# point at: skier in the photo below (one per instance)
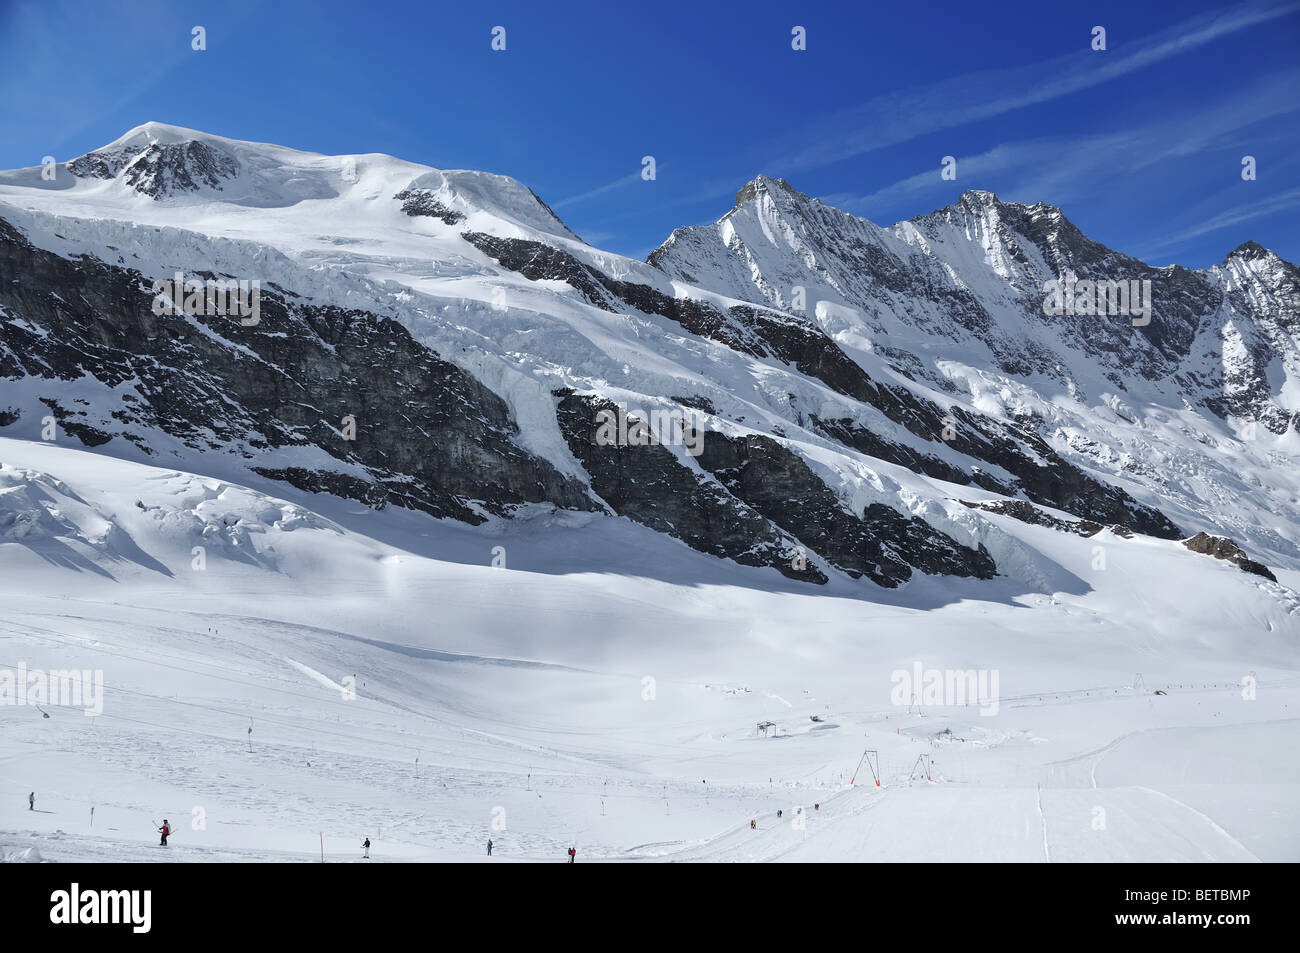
(778, 815)
(31, 801)
(164, 830)
(489, 847)
(817, 807)
(753, 825)
(573, 852)
(366, 844)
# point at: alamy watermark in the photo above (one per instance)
(1081, 296)
(74, 906)
(619, 428)
(939, 687)
(70, 688)
(210, 298)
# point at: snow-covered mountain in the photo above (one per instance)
(1185, 406)
(854, 383)
(406, 461)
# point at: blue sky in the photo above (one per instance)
(1140, 144)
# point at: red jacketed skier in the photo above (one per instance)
(573, 852)
(164, 830)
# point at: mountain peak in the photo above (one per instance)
(761, 184)
(154, 133)
(160, 161)
(1248, 250)
(979, 197)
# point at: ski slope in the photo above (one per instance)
(523, 691)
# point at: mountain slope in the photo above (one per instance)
(408, 698)
(450, 318)
(1178, 409)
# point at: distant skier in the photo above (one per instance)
(164, 830)
(817, 807)
(778, 815)
(31, 801)
(366, 845)
(573, 852)
(753, 825)
(489, 847)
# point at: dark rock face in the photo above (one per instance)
(1180, 296)
(1048, 479)
(741, 330)
(882, 544)
(538, 261)
(417, 202)
(1041, 473)
(161, 169)
(1220, 547)
(70, 422)
(647, 484)
(427, 435)
(1028, 513)
(697, 403)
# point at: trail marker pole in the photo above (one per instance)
(322, 847)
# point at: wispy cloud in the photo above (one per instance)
(600, 190)
(1059, 168)
(900, 116)
(1234, 216)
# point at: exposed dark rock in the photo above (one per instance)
(1028, 513)
(883, 544)
(1220, 547)
(67, 420)
(428, 435)
(416, 202)
(1040, 472)
(927, 548)
(538, 261)
(648, 484)
(697, 403)
(161, 169)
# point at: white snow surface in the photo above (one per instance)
(523, 693)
